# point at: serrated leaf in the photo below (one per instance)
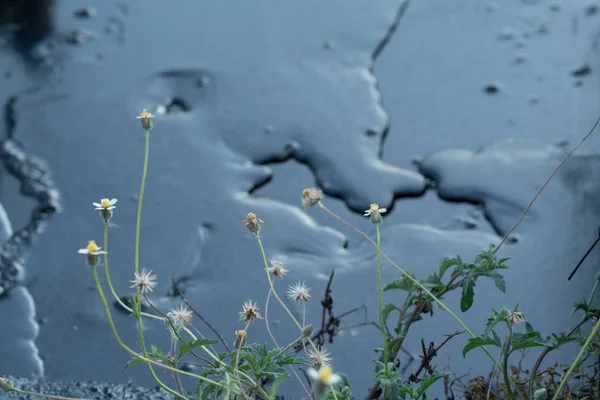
(467, 295)
(387, 309)
(427, 382)
(432, 281)
(186, 346)
(447, 263)
(479, 341)
(526, 340)
(399, 283)
(498, 281)
(496, 318)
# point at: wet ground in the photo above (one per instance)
(451, 114)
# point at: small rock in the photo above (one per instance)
(492, 88)
(582, 71)
(519, 43)
(330, 44)
(534, 99)
(85, 12)
(592, 9)
(554, 6)
(521, 58)
(492, 6)
(269, 129)
(507, 34)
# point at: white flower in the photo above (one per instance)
(515, 318)
(144, 280)
(324, 376)
(106, 204)
(299, 291)
(249, 312)
(91, 249)
(182, 314)
(276, 269)
(375, 213)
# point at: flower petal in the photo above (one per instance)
(83, 251)
(334, 378)
(113, 201)
(97, 205)
(313, 373)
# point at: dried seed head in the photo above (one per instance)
(146, 119)
(144, 280)
(240, 339)
(181, 314)
(252, 222)
(299, 291)
(311, 196)
(320, 357)
(276, 269)
(249, 312)
(375, 213)
(516, 317)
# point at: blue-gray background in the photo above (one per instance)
(384, 101)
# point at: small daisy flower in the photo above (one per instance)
(320, 357)
(240, 339)
(144, 280)
(276, 269)
(252, 222)
(515, 318)
(249, 312)
(299, 291)
(375, 213)
(181, 314)
(324, 377)
(105, 207)
(311, 196)
(146, 119)
(93, 253)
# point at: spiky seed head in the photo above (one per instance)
(144, 280)
(277, 269)
(249, 312)
(181, 314)
(320, 357)
(299, 291)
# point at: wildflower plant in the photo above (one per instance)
(256, 371)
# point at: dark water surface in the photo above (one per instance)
(256, 101)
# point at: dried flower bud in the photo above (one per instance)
(6, 385)
(515, 318)
(146, 119)
(252, 222)
(240, 339)
(308, 330)
(311, 196)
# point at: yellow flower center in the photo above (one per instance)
(145, 115)
(325, 373)
(92, 247)
(105, 203)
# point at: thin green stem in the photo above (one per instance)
(587, 343)
(133, 352)
(380, 288)
(48, 396)
(381, 320)
(140, 201)
(505, 354)
(237, 361)
(410, 278)
(272, 287)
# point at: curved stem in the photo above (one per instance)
(506, 353)
(140, 201)
(133, 352)
(413, 280)
(381, 320)
(587, 343)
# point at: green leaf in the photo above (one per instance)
(496, 318)
(447, 263)
(427, 382)
(401, 283)
(480, 341)
(186, 346)
(432, 281)
(134, 361)
(526, 340)
(387, 309)
(498, 281)
(275, 386)
(468, 292)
